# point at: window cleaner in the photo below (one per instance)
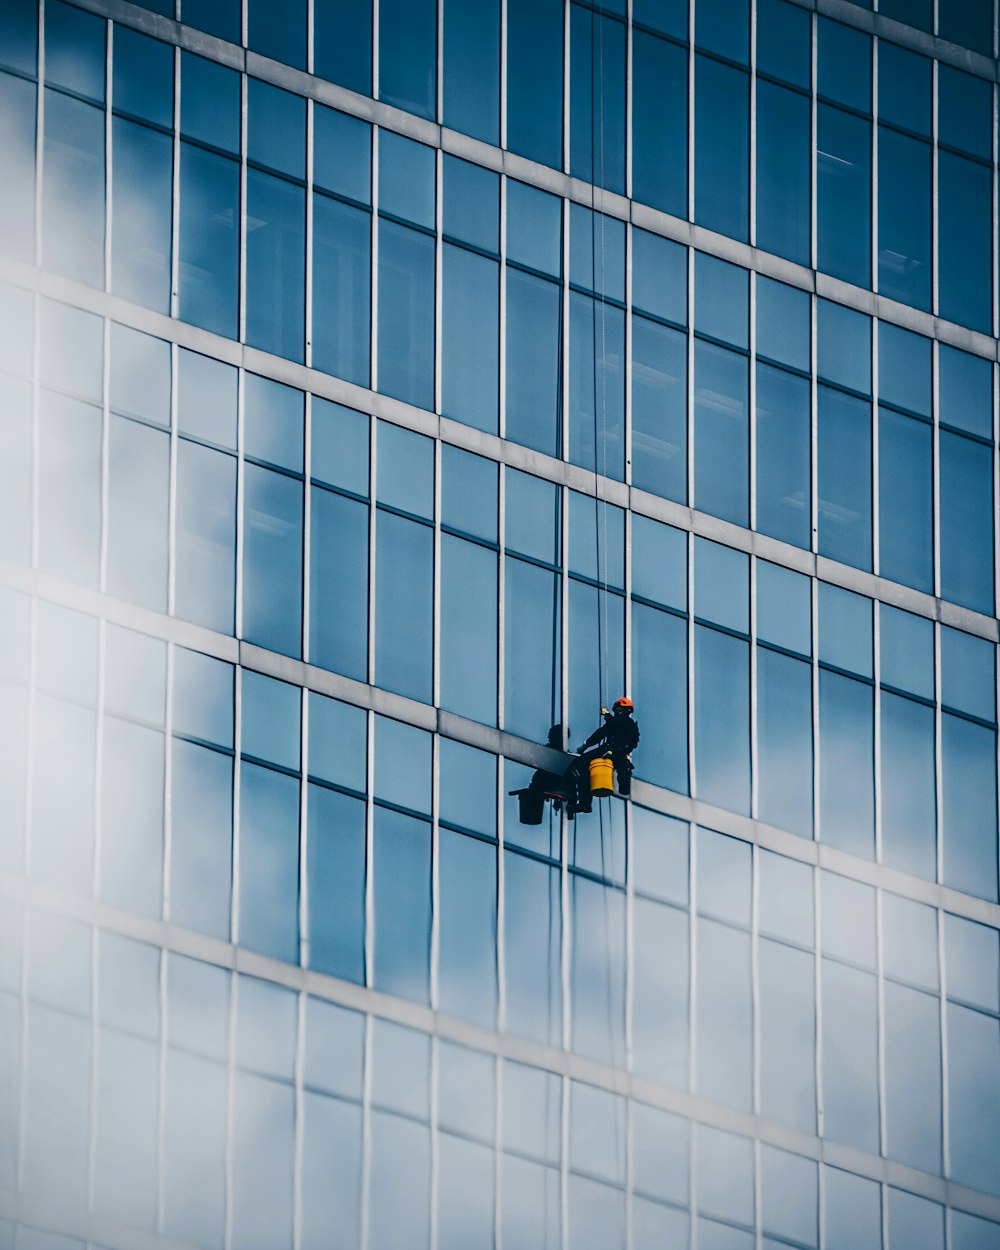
(617, 737)
(543, 785)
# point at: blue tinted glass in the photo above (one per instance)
(407, 42)
(272, 560)
(843, 195)
(906, 645)
(723, 26)
(722, 719)
(722, 148)
(472, 204)
(337, 742)
(468, 631)
(406, 179)
(203, 697)
(342, 42)
(784, 128)
(909, 839)
(964, 224)
(209, 240)
(467, 967)
(850, 1066)
(468, 785)
(722, 585)
(784, 42)
(597, 252)
(273, 422)
(469, 493)
(404, 606)
(472, 69)
(790, 1193)
(532, 923)
(596, 653)
(73, 194)
(845, 478)
(970, 25)
(724, 1007)
(597, 99)
(659, 123)
(19, 35)
(904, 368)
(918, 13)
(966, 509)
(206, 537)
(534, 228)
(845, 629)
(342, 154)
(853, 1218)
(143, 77)
(341, 289)
(905, 500)
(279, 33)
(270, 720)
(276, 128)
(217, 17)
(670, 16)
(597, 978)
(597, 385)
(340, 445)
(275, 266)
(338, 579)
(721, 435)
(659, 409)
(904, 88)
(335, 871)
(784, 610)
(402, 764)
(406, 314)
(783, 455)
(969, 805)
(206, 398)
(140, 375)
(844, 346)
(968, 1232)
(532, 640)
(534, 336)
(140, 243)
(659, 663)
(659, 562)
(137, 513)
(725, 1178)
(533, 517)
(402, 872)
(269, 862)
(18, 105)
(210, 102)
(972, 1064)
(965, 391)
(964, 111)
(470, 333)
(659, 277)
(74, 49)
(968, 673)
(846, 744)
(405, 470)
(721, 300)
(904, 207)
(535, 79)
(844, 60)
(596, 539)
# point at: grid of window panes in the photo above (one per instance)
(317, 438)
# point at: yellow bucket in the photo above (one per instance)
(601, 778)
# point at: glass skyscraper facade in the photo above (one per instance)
(383, 382)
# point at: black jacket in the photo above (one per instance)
(618, 734)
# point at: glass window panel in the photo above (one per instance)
(272, 560)
(20, 35)
(844, 346)
(62, 795)
(659, 409)
(141, 237)
(660, 999)
(848, 915)
(915, 1221)
(965, 108)
(972, 962)
(270, 720)
(57, 1121)
(217, 17)
(845, 633)
(965, 391)
(844, 61)
(205, 537)
(340, 445)
(534, 227)
(904, 368)
(466, 1091)
(471, 58)
(724, 1062)
(966, 535)
(469, 493)
(406, 324)
(532, 1112)
(910, 941)
(968, 1232)
(784, 607)
(341, 289)
(597, 971)
(135, 675)
(206, 404)
(659, 278)
(973, 1097)
(783, 456)
(723, 868)
(342, 150)
(535, 79)
(843, 195)
(597, 99)
(850, 1057)
(143, 82)
(968, 666)
(407, 46)
(784, 131)
(342, 43)
(532, 942)
(725, 1176)
(137, 521)
(722, 585)
(533, 649)
(785, 898)
(201, 838)
(907, 651)
(597, 1132)
(266, 1016)
(402, 764)
(597, 385)
(276, 127)
(275, 265)
(195, 1149)
(465, 1194)
(659, 562)
(125, 1151)
(659, 124)
(790, 1196)
(140, 374)
(334, 1049)
(909, 840)
(721, 433)
(198, 1006)
(722, 293)
(904, 208)
(783, 318)
(904, 88)
(278, 33)
(596, 654)
(467, 786)
(264, 1143)
(531, 1211)
(722, 719)
(210, 103)
(402, 901)
(852, 1212)
(970, 25)
(406, 179)
(209, 240)
(913, 1061)
(467, 973)
(596, 1215)
(16, 474)
(723, 26)
(471, 204)
(74, 49)
(273, 422)
(845, 477)
(596, 539)
(470, 329)
(338, 629)
(74, 186)
(846, 764)
(534, 335)
(722, 148)
(67, 644)
(401, 1166)
(269, 862)
(129, 995)
(784, 42)
(69, 476)
(132, 817)
(400, 1064)
(337, 742)
(331, 1197)
(905, 500)
(785, 752)
(660, 1153)
(969, 800)
(335, 872)
(534, 517)
(404, 592)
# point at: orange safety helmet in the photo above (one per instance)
(622, 702)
